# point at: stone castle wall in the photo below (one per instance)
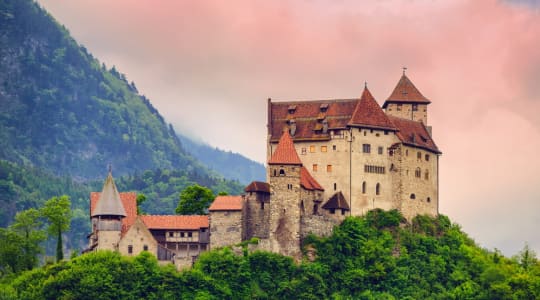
(406, 111)
(257, 215)
(319, 225)
(226, 228)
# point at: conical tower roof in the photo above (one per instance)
(406, 92)
(369, 114)
(285, 153)
(109, 203)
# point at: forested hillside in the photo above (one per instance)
(64, 111)
(373, 257)
(229, 164)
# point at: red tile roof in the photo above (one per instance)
(337, 114)
(258, 186)
(406, 92)
(175, 222)
(226, 203)
(129, 201)
(308, 182)
(414, 133)
(368, 113)
(285, 154)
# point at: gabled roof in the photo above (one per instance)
(369, 114)
(174, 222)
(337, 201)
(308, 182)
(414, 133)
(406, 92)
(258, 186)
(228, 203)
(285, 154)
(129, 202)
(109, 203)
(306, 116)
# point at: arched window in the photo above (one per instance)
(418, 173)
(426, 174)
(378, 189)
(413, 196)
(363, 187)
(281, 172)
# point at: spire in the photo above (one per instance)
(406, 92)
(109, 203)
(285, 153)
(368, 113)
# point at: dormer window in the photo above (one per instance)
(291, 109)
(324, 107)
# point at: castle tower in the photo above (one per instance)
(284, 179)
(407, 102)
(107, 217)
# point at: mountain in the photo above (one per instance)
(64, 111)
(229, 164)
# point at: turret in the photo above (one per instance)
(407, 102)
(107, 216)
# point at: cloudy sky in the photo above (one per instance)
(209, 66)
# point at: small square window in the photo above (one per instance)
(334, 147)
(427, 157)
(399, 107)
(315, 167)
(181, 234)
(190, 234)
(171, 234)
(145, 247)
(304, 151)
(323, 148)
(130, 249)
(329, 168)
(366, 148)
(311, 149)
(415, 107)
(380, 150)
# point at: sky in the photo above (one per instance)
(210, 66)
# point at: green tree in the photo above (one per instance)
(58, 213)
(195, 200)
(29, 227)
(141, 198)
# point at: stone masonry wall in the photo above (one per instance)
(317, 225)
(225, 228)
(257, 215)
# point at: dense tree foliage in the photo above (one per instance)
(375, 257)
(195, 200)
(57, 211)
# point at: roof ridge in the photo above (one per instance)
(368, 113)
(406, 91)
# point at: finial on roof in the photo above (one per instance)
(110, 168)
(365, 84)
(404, 69)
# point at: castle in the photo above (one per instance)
(327, 159)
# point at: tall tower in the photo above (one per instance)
(407, 102)
(107, 217)
(284, 179)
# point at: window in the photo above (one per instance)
(407, 152)
(427, 157)
(366, 148)
(275, 172)
(380, 150)
(315, 167)
(342, 212)
(374, 169)
(262, 205)
(428, 199)
(304, 151)
(329, 168)
(190, 234)
(130, 249)
(363, 187)
(426, 175)
(281, 172)
(334, 147)
(419, 155)
(145, 248)
(413, 196)
(315, 208)
(203, 229)
(182, 234)
(399, 107)
(323, 148)
(418, 173)
(332, 210)
(378, 189)
(386, 132)
(289, 186)
(311, 149)
(335, 186)
(171, 234)
(415, 107)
